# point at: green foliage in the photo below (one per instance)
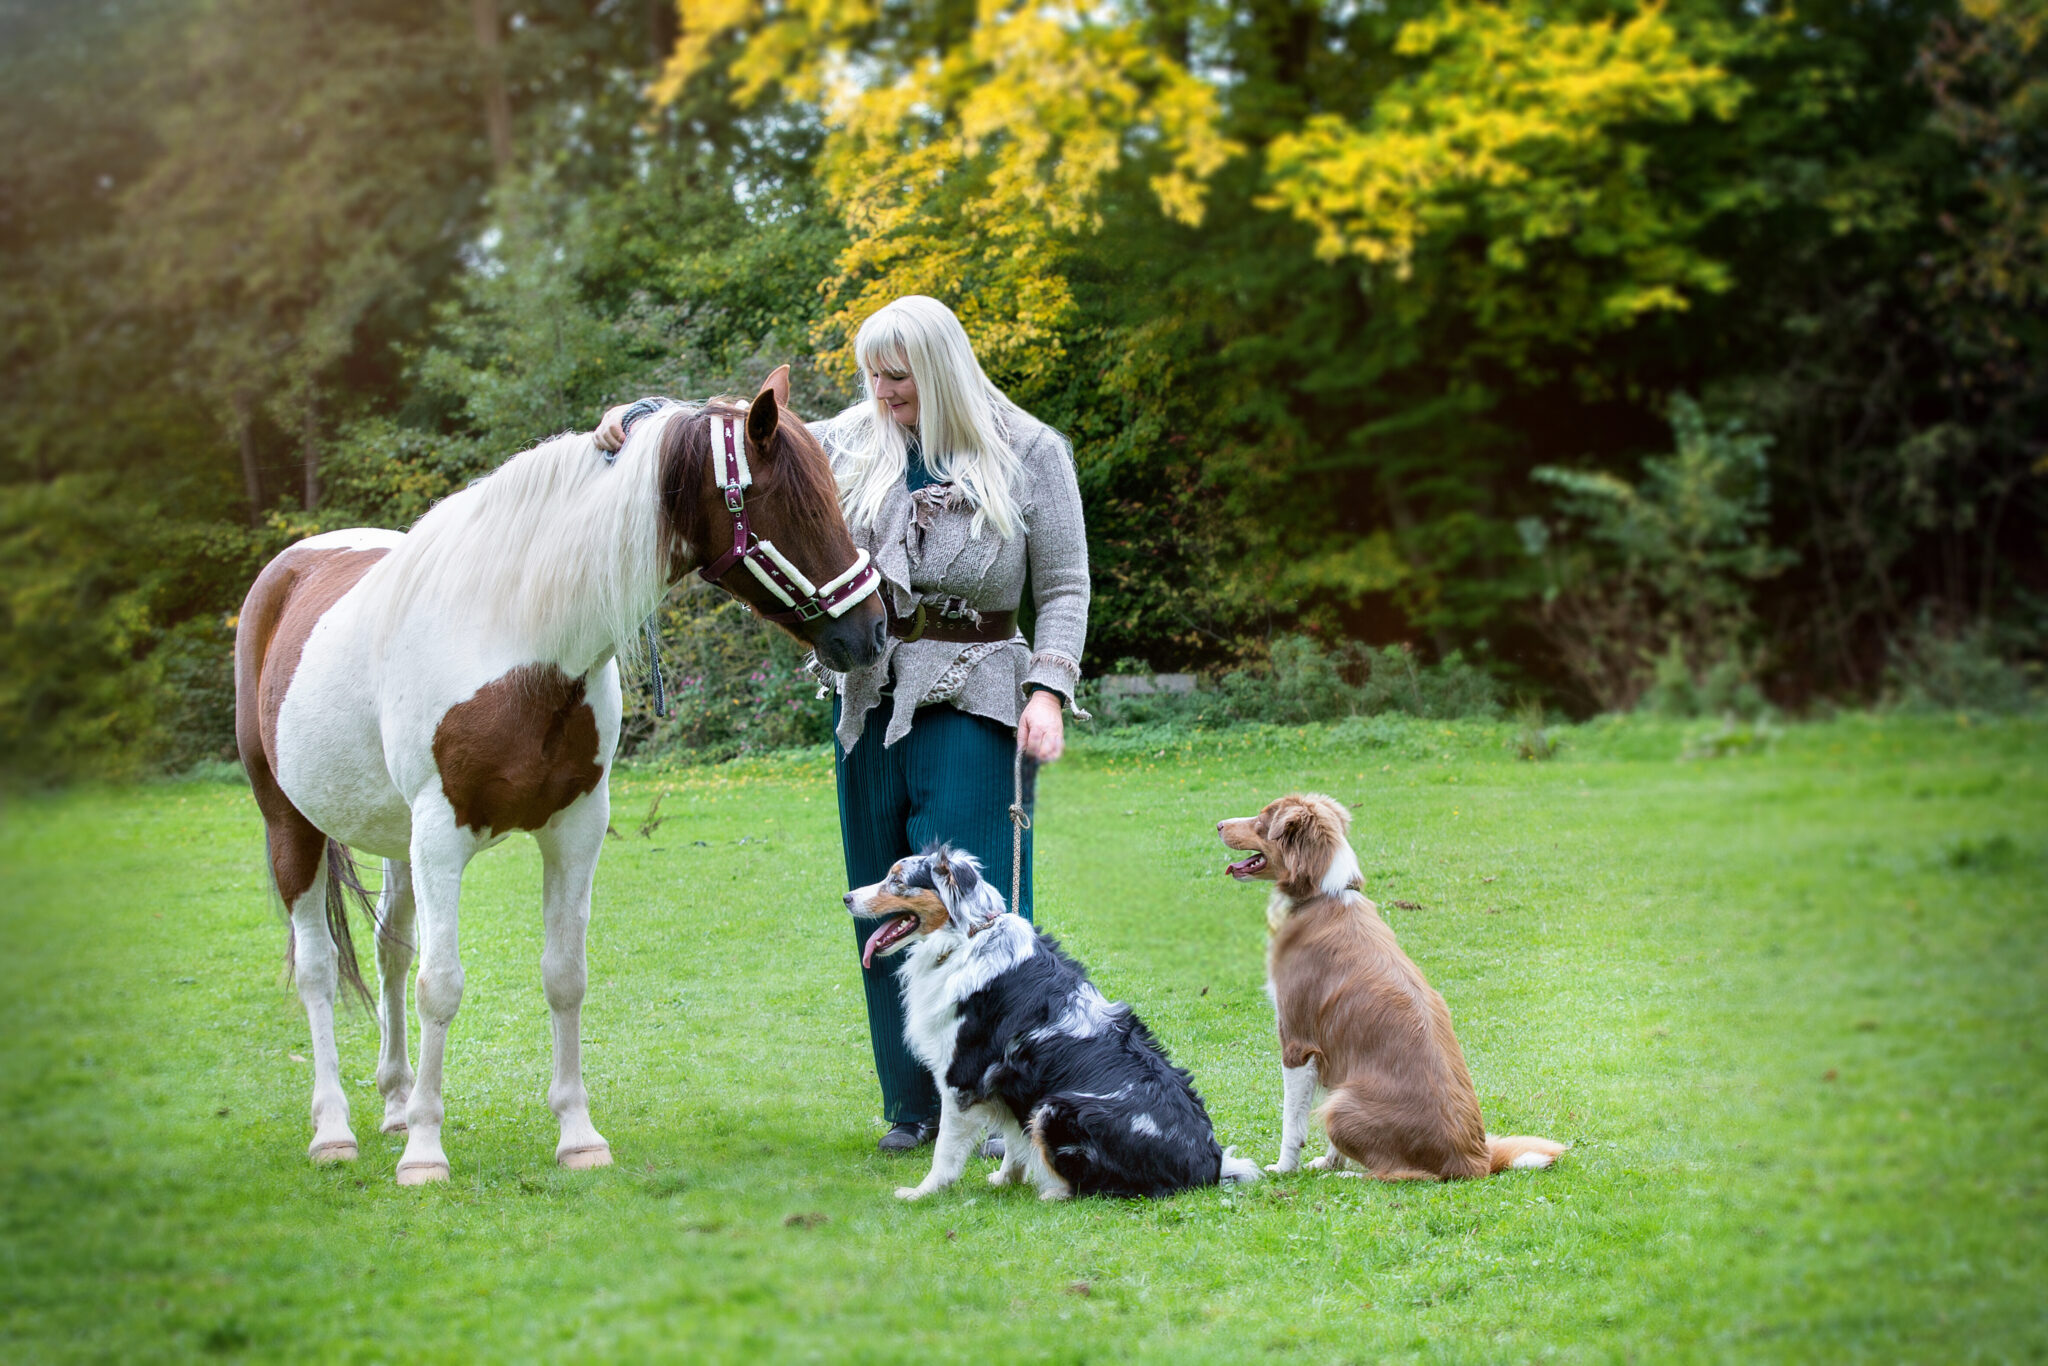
(735, 686)
(1533, 741)
(1316, 292)
(1932, 669)
(1671, 561)
(1303, 680)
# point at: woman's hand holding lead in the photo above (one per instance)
(1042, 730)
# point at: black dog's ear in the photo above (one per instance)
(964, 877)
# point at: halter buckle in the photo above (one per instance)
(809, 610)
(735, 498)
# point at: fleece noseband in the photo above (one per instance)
(802, 600)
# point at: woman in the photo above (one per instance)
(961, 497)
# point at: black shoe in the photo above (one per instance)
(992, 1146)
(901, 1138)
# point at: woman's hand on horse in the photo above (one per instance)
(1042, 730)
(611, 432)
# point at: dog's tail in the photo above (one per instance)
(1237, 1171)
(1520, 1153)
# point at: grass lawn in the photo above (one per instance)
(1786, 1008)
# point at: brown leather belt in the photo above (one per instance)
(929, 623)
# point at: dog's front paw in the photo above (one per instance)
(1332, 1161)
(1284, 1166)
(911, 1192)
(1004, 1176)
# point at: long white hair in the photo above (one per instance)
(557, 547)
(964, 422)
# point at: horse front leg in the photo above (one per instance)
(395, 917)
(440, 852)
(569, 847)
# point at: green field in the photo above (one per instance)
(1786, 1008)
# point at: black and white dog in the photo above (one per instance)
(1019, 1039)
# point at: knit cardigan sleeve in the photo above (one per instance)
(1057, 551)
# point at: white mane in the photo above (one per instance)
(555, 548)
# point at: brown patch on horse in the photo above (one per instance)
(521, 749)
(286, 602)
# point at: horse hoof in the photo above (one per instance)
(343, 1150)
(421, 1173)
(581, 1159)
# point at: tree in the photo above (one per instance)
(276, 225)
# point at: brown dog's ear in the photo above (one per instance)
(763, 415)
(1307, 836)
(1284, 818)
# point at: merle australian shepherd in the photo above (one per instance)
(1018, 1038)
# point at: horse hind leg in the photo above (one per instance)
(395, 916)
(569, 848)
(308, 882)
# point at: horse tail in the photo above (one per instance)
(345, 881)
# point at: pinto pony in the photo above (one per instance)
(422, 696)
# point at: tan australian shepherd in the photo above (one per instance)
(1356, 1017)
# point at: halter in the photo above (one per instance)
(802, 600)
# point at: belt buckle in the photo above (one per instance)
(918, 622)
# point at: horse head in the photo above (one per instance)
(790, 506)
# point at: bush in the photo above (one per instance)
(1303, 681)
(735, 686)
(1648, 586)
(1932, 669)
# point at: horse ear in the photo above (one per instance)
(762, 416)
(778, 384)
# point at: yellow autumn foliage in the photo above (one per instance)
(1512, 128)
(967, 175)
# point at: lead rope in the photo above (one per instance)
(654, 665)
(1020, 821)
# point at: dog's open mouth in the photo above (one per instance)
(893, 929)
(1244, 870)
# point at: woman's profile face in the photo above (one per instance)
(897, 388)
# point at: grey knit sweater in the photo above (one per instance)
(925, 553)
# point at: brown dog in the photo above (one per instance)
(1356, 1017)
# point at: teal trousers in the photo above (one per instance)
(948, 781)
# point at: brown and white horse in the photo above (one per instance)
(419, 697)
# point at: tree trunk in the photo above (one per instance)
(309, 447)
(252, 477)
(483, 16)
(661, 32)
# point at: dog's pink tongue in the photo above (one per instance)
(867, 953)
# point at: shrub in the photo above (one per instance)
(1932, 669)
(1302, 681)
(735, 685)
(1648, 585)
